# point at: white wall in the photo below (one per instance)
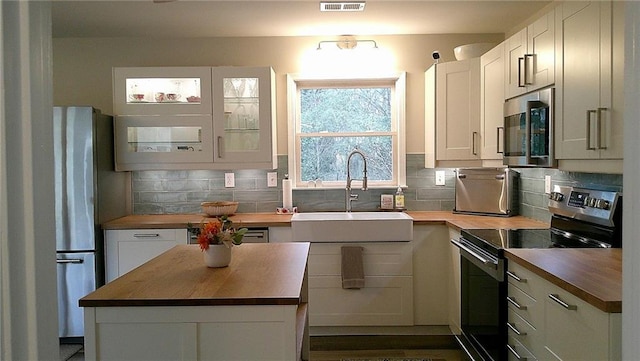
(82, 67)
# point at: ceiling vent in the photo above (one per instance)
(342, 6)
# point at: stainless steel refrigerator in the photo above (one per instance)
(88, 192)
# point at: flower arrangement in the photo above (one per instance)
(218, 231)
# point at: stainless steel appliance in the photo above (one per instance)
(528, 130)
(88, 192)
(581, 218)
(490, 191)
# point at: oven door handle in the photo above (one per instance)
(472, 252)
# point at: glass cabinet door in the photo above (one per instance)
(152, 91)
(243, 114)
(152, 142)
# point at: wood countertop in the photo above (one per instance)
(259, 274)
(459, 221)
(593, 275)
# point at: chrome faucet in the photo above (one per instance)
(349, 197)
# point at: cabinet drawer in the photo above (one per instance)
(528, 335)
(517, 351)
(148, 235)
(575, 323)
(527, 281)
(379, 259)
(530, 309)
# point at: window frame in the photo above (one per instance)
(397, 82)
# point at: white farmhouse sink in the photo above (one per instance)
(352, 227)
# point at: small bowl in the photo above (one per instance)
(222, 208)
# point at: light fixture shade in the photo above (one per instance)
(347, 42)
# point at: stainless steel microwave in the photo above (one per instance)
(528, 130)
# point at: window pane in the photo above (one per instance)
(337, 110)
(325, 158)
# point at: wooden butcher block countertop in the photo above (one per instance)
(459, 221)
(592, 274)
(259, 274)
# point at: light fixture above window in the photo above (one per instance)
(347, 42)
(342, 5)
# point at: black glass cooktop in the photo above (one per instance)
(493, 240)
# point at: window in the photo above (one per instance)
(330, 118)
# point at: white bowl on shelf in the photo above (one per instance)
(469, 51)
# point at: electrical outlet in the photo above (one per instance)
(547, 184)
(440, 178)
(272, 179)
(229, 180)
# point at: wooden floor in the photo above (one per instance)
(448, 355)
(380, 346)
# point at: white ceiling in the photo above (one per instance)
(214, 18)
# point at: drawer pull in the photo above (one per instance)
(557, 299)
(146, 235)
(515, 330)
(515, 277)
(516, 304)
(513, 351)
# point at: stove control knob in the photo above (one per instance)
(590, 202)
(556, 196)
(602, 204)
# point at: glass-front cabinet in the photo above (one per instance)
(243, 114)
(194, 118)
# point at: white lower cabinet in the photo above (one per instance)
(430, 285)
(386, 298)
(454, 286)
(548, 323)
(130, 248)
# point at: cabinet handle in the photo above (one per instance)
(516, 304)
(513, 328)
(521, 84)
(70, 260)
(557, 299)
(146, 235)
(599, 127)
(513, 351)
(528, 74)
(473, 143)
(515, 277)
(498, 140)
(220, 146)
(589, 112)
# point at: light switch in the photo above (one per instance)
(229, 180)
(272, 179)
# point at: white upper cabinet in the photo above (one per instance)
(530, 57)
(244, 116)
(492, 103)
(589, 122)
(452, 106)
(194, 118)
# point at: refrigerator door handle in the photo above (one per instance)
(69, 260)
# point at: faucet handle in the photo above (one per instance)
(364, 183)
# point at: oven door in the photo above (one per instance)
(483, 303)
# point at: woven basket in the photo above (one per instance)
(216, 209)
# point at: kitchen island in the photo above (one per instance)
(175, 308)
